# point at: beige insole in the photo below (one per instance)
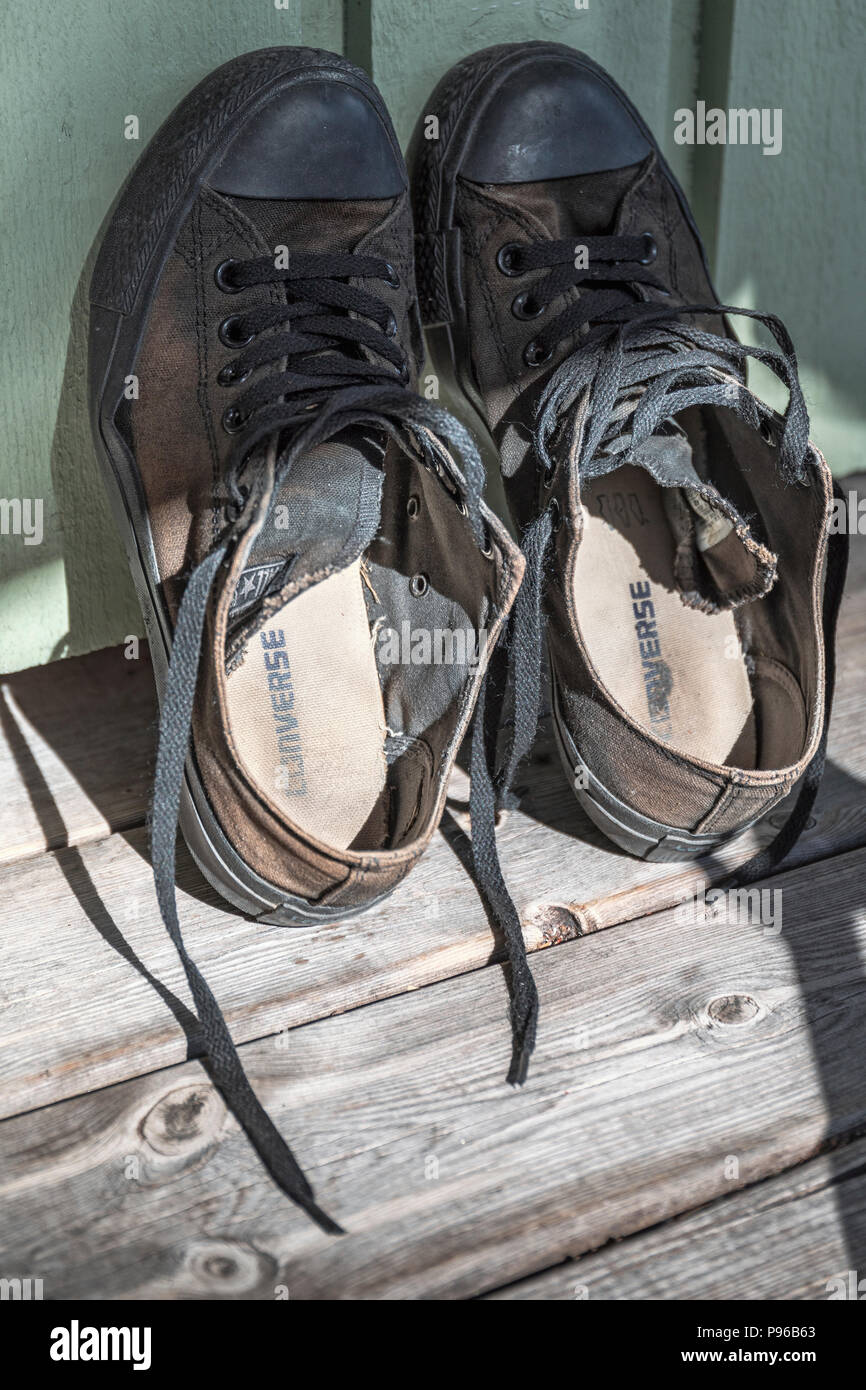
(305, 710)
(678, 672)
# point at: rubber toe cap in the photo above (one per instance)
(551, 117)
(321, 138)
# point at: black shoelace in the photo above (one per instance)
(636, 367)
(321, 384)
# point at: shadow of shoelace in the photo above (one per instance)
(71, 864)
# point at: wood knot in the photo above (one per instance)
(733, 1008)
(227, 1267)
(184, 1121)
(552, 924)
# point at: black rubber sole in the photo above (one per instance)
(434, 167)
(153, 205)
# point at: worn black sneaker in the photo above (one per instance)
(675, 527)
(290, 507)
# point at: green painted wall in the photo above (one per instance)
(790, 226)
(787, 230)
(69, 74)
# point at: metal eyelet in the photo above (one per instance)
(390, 329)
(534, 355)
(487, 548)
(226, 332)
(229, 376)
(525, 307)
(221, 275)
(461, 506)
(505, 258)
(548, 476)
(768, 434)
(391, 277)
(233, 419)
(413, 506)
(651, 249)
(405, 373)
(556, 513)
(419, 584)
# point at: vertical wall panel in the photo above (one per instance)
(790, 226)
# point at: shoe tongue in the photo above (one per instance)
(323, 224)
(325, 514)
(583, 205)
(719, 562)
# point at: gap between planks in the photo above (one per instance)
(792, 1237)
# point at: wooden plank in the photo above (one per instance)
(77, 750)
(664, 1050)
(793, 1237)
(786, 1239)
(84, 1012)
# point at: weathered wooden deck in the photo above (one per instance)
(692, 1126)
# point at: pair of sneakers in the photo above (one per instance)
(322, 582)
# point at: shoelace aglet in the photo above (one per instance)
(321, 1218)
(520, 1062)
(302, 1194)
(524, 1031)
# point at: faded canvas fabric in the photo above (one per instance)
(677, 524)
(284, 494)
